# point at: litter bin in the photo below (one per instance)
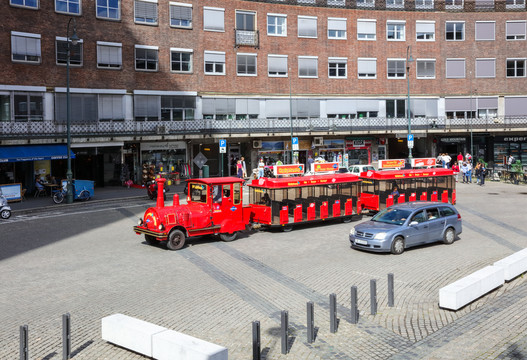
(205, 170)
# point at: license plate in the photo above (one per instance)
(361, 242)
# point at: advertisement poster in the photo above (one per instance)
(423, 162)
(12, 192)
(391, 164)
(284, 170)
(326, 167)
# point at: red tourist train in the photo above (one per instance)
(215, 205)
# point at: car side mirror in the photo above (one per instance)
(413, 223)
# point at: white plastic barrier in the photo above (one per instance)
(463, 291)
(130, 333)
(514, 264)
(172, 345)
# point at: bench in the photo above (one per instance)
(156, 341)
(514, 264)
(463, 291)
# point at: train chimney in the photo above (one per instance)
(160, 193)
(176, 200)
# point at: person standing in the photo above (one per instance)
(261, 167)
(464, 170)
(469, 173)
(468, 158)
(239, 169)
(477, 171)
(460, 158)
(455, 169)
(448, 159)
(510, 161)
(310, 162)
(244, 167)
(279, 162)
(482, 174)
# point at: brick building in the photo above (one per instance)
(155, 82)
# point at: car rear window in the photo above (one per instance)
(447, 211)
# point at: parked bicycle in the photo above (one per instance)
(80, 188)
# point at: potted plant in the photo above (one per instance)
(517, 169)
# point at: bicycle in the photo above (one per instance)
(60, 195)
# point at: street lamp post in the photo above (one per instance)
(408, 61)
(70, 41)
(291, 115)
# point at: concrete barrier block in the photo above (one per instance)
(514, 264)
(465, 290)
(172, 345)
(130, 333)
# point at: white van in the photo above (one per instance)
(357, 169)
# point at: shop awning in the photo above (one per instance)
(33, 153)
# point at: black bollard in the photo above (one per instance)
(354, 310)
(66, 336)
(333, 313)
(310, 322)
(391, 296)
(284, 328)
(24, 351)
(256, 340)
(373, 297)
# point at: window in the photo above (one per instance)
(213, 19)
(83, 108)
(426, 69)
(146, 12)
(365, 3)
(515, 67)
(367, 114)
(455, 68)
(25, 47)
(336, 28)
(425, 30)
(246, 64)
(181, 60)
(68, 6)
(487, 113)
(147, 107)
(366, 29)
(277, 65)
(455, 31)
(338, 68)
(111, 107)
(485, 30)
(181, 15)
(367, 68)
(515, 30)
(484, 4)
(424, 4)
(308, 66)
(515, 4)
(61, 45)
(395, 108)
(276, 25)
(108, 9)
(394, 3)
(146, 58)
(28, 106)
(485, 68)
(395, 30)
(245, 20)
(109, 55)
(177, 108)
(214, 63)
(396, 68)
(33, 4)
(454, 4)
(307, 26)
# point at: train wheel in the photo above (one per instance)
(151, 240)
(398, 246)
(287, 228)
(228, 237)
(346, 219)
(176, 240)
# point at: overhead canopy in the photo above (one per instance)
(34, 152)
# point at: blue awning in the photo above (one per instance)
(34, 152)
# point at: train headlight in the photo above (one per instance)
(161, 227)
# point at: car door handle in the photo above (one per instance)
(425, 226)
(442, 222)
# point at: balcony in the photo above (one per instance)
(247, 38)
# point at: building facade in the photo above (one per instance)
(155, 83)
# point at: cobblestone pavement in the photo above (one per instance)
(88, 262)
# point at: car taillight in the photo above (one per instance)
(459, 216)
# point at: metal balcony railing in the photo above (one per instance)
(247, 38)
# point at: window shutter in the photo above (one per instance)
(277, 64)
(147, 10)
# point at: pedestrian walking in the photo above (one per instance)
(469, 172)
(239, 169)
(477, 171)
(244, 167)
(482, 174)
(261, 167)
(455, 169)
(460, 158)
(510, 161)
(464, 170)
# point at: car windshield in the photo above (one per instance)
(392, 216)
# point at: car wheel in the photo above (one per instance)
(176, 240)
(449, 236)
(228, 237)
(151, 240)
(5, 214)
(398, 246)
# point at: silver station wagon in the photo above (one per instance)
(405, 225)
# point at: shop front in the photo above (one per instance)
(360, 151)
(510, 145)
(100, 162)
(162, 157)
(332, 150)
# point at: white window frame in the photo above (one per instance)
(485, 77)
(524, 67)
(37, 7)
(253, 55)
(521, 4)
(339, 21)
(425, 22)
(424, 5)
(456, 22)
(146, 22)
(269, 56)
(524, 32)
(304, 17)
(284, 26)
(67, 12)
(367, 77)
(213, 10)
(395, 77)
(28, 36)
(106, 17)
(80, 41)
(417, 76)
(394, 4)
(191, 61)
(476, 30)
(205, 63)
(397, 31)
(146, 47)
(365, 3)
(315, 58)
(120, 54)
(374, 38)
(103, 99)
(464, 68)
(178, 4)
(338, 60)
(454, 5)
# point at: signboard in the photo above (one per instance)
(200, 160)
(410, 139)
(326, 167)
(293, 169)
(295, 143)
(223, 146)
(423, 162)
(391, 164)
(12, 192)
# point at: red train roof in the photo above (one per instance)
(217, 180)
(410, 173)
(297, 181)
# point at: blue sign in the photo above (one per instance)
(410, 137)
(233, 208)
(223, 143)
(295, 141)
